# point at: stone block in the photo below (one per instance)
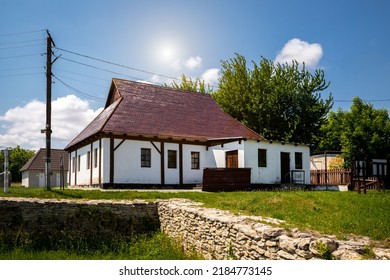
(287, 244)
(285, 255)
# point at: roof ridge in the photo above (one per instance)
(162, 87)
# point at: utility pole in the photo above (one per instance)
(47, 129)
(6, 179)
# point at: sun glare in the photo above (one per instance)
(166, 52)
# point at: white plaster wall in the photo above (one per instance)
(71, 171)
(172, 175)
(25, 178)
(271, 173)
(128, 168)
(193, 176)
(83, 176)
(217, 154)
(105, 150)
(95, 170)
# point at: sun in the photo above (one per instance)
(166, 52)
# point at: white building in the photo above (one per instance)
(150, 135)
(33, 172)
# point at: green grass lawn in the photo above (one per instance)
(338, 213)
(155, 246)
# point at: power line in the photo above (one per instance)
(19, 75)
(22, 42)
(84, 82)
(19, 47)
(85, 95)
(19, 56)
(83, 75)
(117, 64)
(366, 100)
(20, 69)
(98, 68)
(21, 33)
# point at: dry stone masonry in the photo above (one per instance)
(222, 235)
(33, 214)
(213, 233)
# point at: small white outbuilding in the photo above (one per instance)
(33, 172)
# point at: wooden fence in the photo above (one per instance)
(334, 177)
(226, 179)
(330, 177)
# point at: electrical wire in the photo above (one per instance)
(116, 64)
(22, 42)
(83, 75)
(19, 69)
(19, 56)
(80, 81)
(98, 68)
(19, 47)
(19, 75)
(366, 100)
(21, 33)
(79, 92)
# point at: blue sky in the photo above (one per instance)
(349, 40)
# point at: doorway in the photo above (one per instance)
(285, 167)
(41, 180)
(232, 159)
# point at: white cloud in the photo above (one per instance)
(176, 64)
(210, 76)
(300, 51)
(190, 63)
(23, 125)
(193, 63)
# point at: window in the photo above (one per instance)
(172, 159)
(262, 158)
(298, 160)
(195, 160)
(95, 158)
(88, 160)
(78, 162)
(146, 157)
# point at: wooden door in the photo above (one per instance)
(232, 159)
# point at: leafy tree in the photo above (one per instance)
(17, 158)
(361, 132)
(282, 102)
(188, 84)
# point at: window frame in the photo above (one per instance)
(146, 157)
(172, 159)
(195, 160)
(298, 160)
(262, 157)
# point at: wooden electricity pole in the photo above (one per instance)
(47, 129)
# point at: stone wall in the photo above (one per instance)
(221, 235)
(213, 233)
(30, 214)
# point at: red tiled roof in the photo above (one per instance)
(140, 109)
(37, 162)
